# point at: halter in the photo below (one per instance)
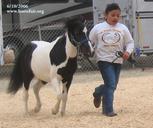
(73, 41)
(82, 41)
(78, 43)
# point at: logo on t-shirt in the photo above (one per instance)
(111, 37)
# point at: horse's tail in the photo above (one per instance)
(16, 79)
(21, 69)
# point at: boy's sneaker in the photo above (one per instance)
(96, 100)
(110, 114)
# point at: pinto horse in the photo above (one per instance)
(51, 64)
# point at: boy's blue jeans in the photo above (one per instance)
(110, 73)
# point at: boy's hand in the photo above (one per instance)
(126, 55)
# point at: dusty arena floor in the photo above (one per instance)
(133, 103)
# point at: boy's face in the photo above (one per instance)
(113, 17)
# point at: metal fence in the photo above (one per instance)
(16, 38)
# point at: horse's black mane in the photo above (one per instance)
(72, 23)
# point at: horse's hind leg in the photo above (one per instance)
(56, 85)
(26, 82)
(36, 89)
(25, 98)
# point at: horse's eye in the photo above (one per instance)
(78, 33)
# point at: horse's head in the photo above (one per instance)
(77, 32)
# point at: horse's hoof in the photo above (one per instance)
(26, 114)
(54, 112)
(62, 114)
(36, 110)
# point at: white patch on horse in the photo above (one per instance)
(85, 30)
(71, 50)
(40, 57)
(89, 43)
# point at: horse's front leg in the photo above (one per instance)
(66, 87)
(56, 86)
(64, 99)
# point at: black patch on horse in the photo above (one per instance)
(58, 53)
(68, 71)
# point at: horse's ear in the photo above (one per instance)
(66, 22)
(82, 19)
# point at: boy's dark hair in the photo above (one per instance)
(112, 6)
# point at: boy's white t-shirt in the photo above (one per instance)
(109, 39)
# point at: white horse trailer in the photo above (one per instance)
(137, 15)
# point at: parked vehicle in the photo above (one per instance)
(22, 18)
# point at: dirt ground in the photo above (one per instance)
(133, 103)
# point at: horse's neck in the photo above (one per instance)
(71, 50)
